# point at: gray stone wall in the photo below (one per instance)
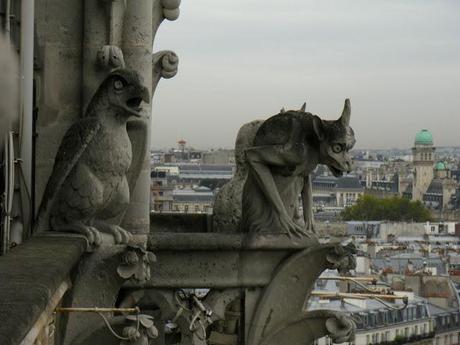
(59, 32)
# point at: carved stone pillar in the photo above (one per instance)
(141, 21)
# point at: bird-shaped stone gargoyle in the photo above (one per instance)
(88, 186)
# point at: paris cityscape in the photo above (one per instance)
(229, 172)
(417, 258)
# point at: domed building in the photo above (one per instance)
(432, 182)
(423, 159)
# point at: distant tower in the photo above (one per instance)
(423, 158)
(181, 144)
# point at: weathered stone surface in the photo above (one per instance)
(286, 149)
(9, 87)
(274, 159)
(88, 186)
(59, 30)
(227, 206)
(281, 306)
(190, 223)
(29, 276)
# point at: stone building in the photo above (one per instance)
(432, 181)
(378, 324)
(423, 159)
(330, 191)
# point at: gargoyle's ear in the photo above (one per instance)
(282, 110)
(345, 118)
(318, 127)
(304, 106)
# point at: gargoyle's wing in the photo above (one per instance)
(73, 145)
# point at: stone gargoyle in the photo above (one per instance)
(88, 186)
(276, 166)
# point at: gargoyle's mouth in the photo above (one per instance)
(133, 106)
(134, 103)
(335, 171)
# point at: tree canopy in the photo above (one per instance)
(394, 209)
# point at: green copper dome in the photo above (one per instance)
(440, 166)
(424, 137)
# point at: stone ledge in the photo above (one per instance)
(30, 274)
(218, 241)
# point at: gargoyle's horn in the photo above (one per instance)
(282, 110)
(303, 106)
(345, 118)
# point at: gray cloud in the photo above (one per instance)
(398, 61)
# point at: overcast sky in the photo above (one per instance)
(240, 60)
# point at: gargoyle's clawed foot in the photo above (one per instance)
(92, 235)
(120, 235)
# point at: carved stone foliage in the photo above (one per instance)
(100, 277)
(171, 9)
(139, 331)
(165, 64)
(135, 263)
(190, 316)
(110, 57)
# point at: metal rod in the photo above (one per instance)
(25, 127)
(325, 294)
(96, 310)
(364, 279)
(7, 19)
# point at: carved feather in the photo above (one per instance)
(73, 145)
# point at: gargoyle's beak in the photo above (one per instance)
(145, 95)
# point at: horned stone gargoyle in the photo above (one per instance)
(287, 147)
(88, 186)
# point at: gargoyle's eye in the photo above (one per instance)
(337, 148)
(118, 84)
